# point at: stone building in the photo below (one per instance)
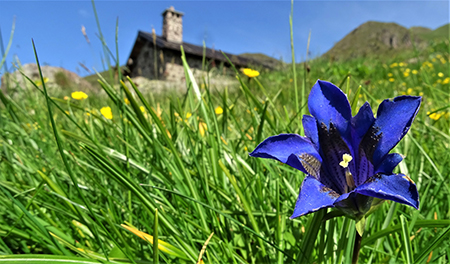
(159, 57)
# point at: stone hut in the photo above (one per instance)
(159, 57)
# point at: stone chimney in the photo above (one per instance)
(172, 25)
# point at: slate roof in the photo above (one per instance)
(191, 49)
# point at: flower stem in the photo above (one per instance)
(356, 248)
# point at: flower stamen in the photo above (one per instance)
(346, 158)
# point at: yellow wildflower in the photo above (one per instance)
(106, 112)
(441, 74)
(446, 80)
(391, 79)
(401, 64)
(390, 74)
(435, 116)
(219, 110)
(142, 109)
(250, 73)
(409, 91)
(66, 97)
(126, 101)
(406, 74)
(188, 115)
(414, 71)
(421, 94)
(78, 95)
(443, 61)
(393, 65)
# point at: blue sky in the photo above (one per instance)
(232, 26)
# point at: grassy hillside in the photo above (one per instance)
(441, 33)
(263, 58)
(383, 41)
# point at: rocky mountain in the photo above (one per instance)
(383, 40)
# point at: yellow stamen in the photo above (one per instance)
(346, 158)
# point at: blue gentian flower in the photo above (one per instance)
(346, 158)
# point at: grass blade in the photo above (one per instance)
(406, 241)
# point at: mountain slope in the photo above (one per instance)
(383, 40)
(263, 58)
(440, 33)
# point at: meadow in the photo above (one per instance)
(138, 178)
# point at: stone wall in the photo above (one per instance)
(174, 72)
(144, 64)
(169, 64)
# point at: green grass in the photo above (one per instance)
(384, 41)
(179, 172)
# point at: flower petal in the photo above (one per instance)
(311, 131)
(364, 141)
(292, 149)
(395, 187)
(361, 123)
(389, 163)
(313, 196)
(364, 169)
(327, 103)
(393, 120)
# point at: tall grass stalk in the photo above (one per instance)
(294, 73)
